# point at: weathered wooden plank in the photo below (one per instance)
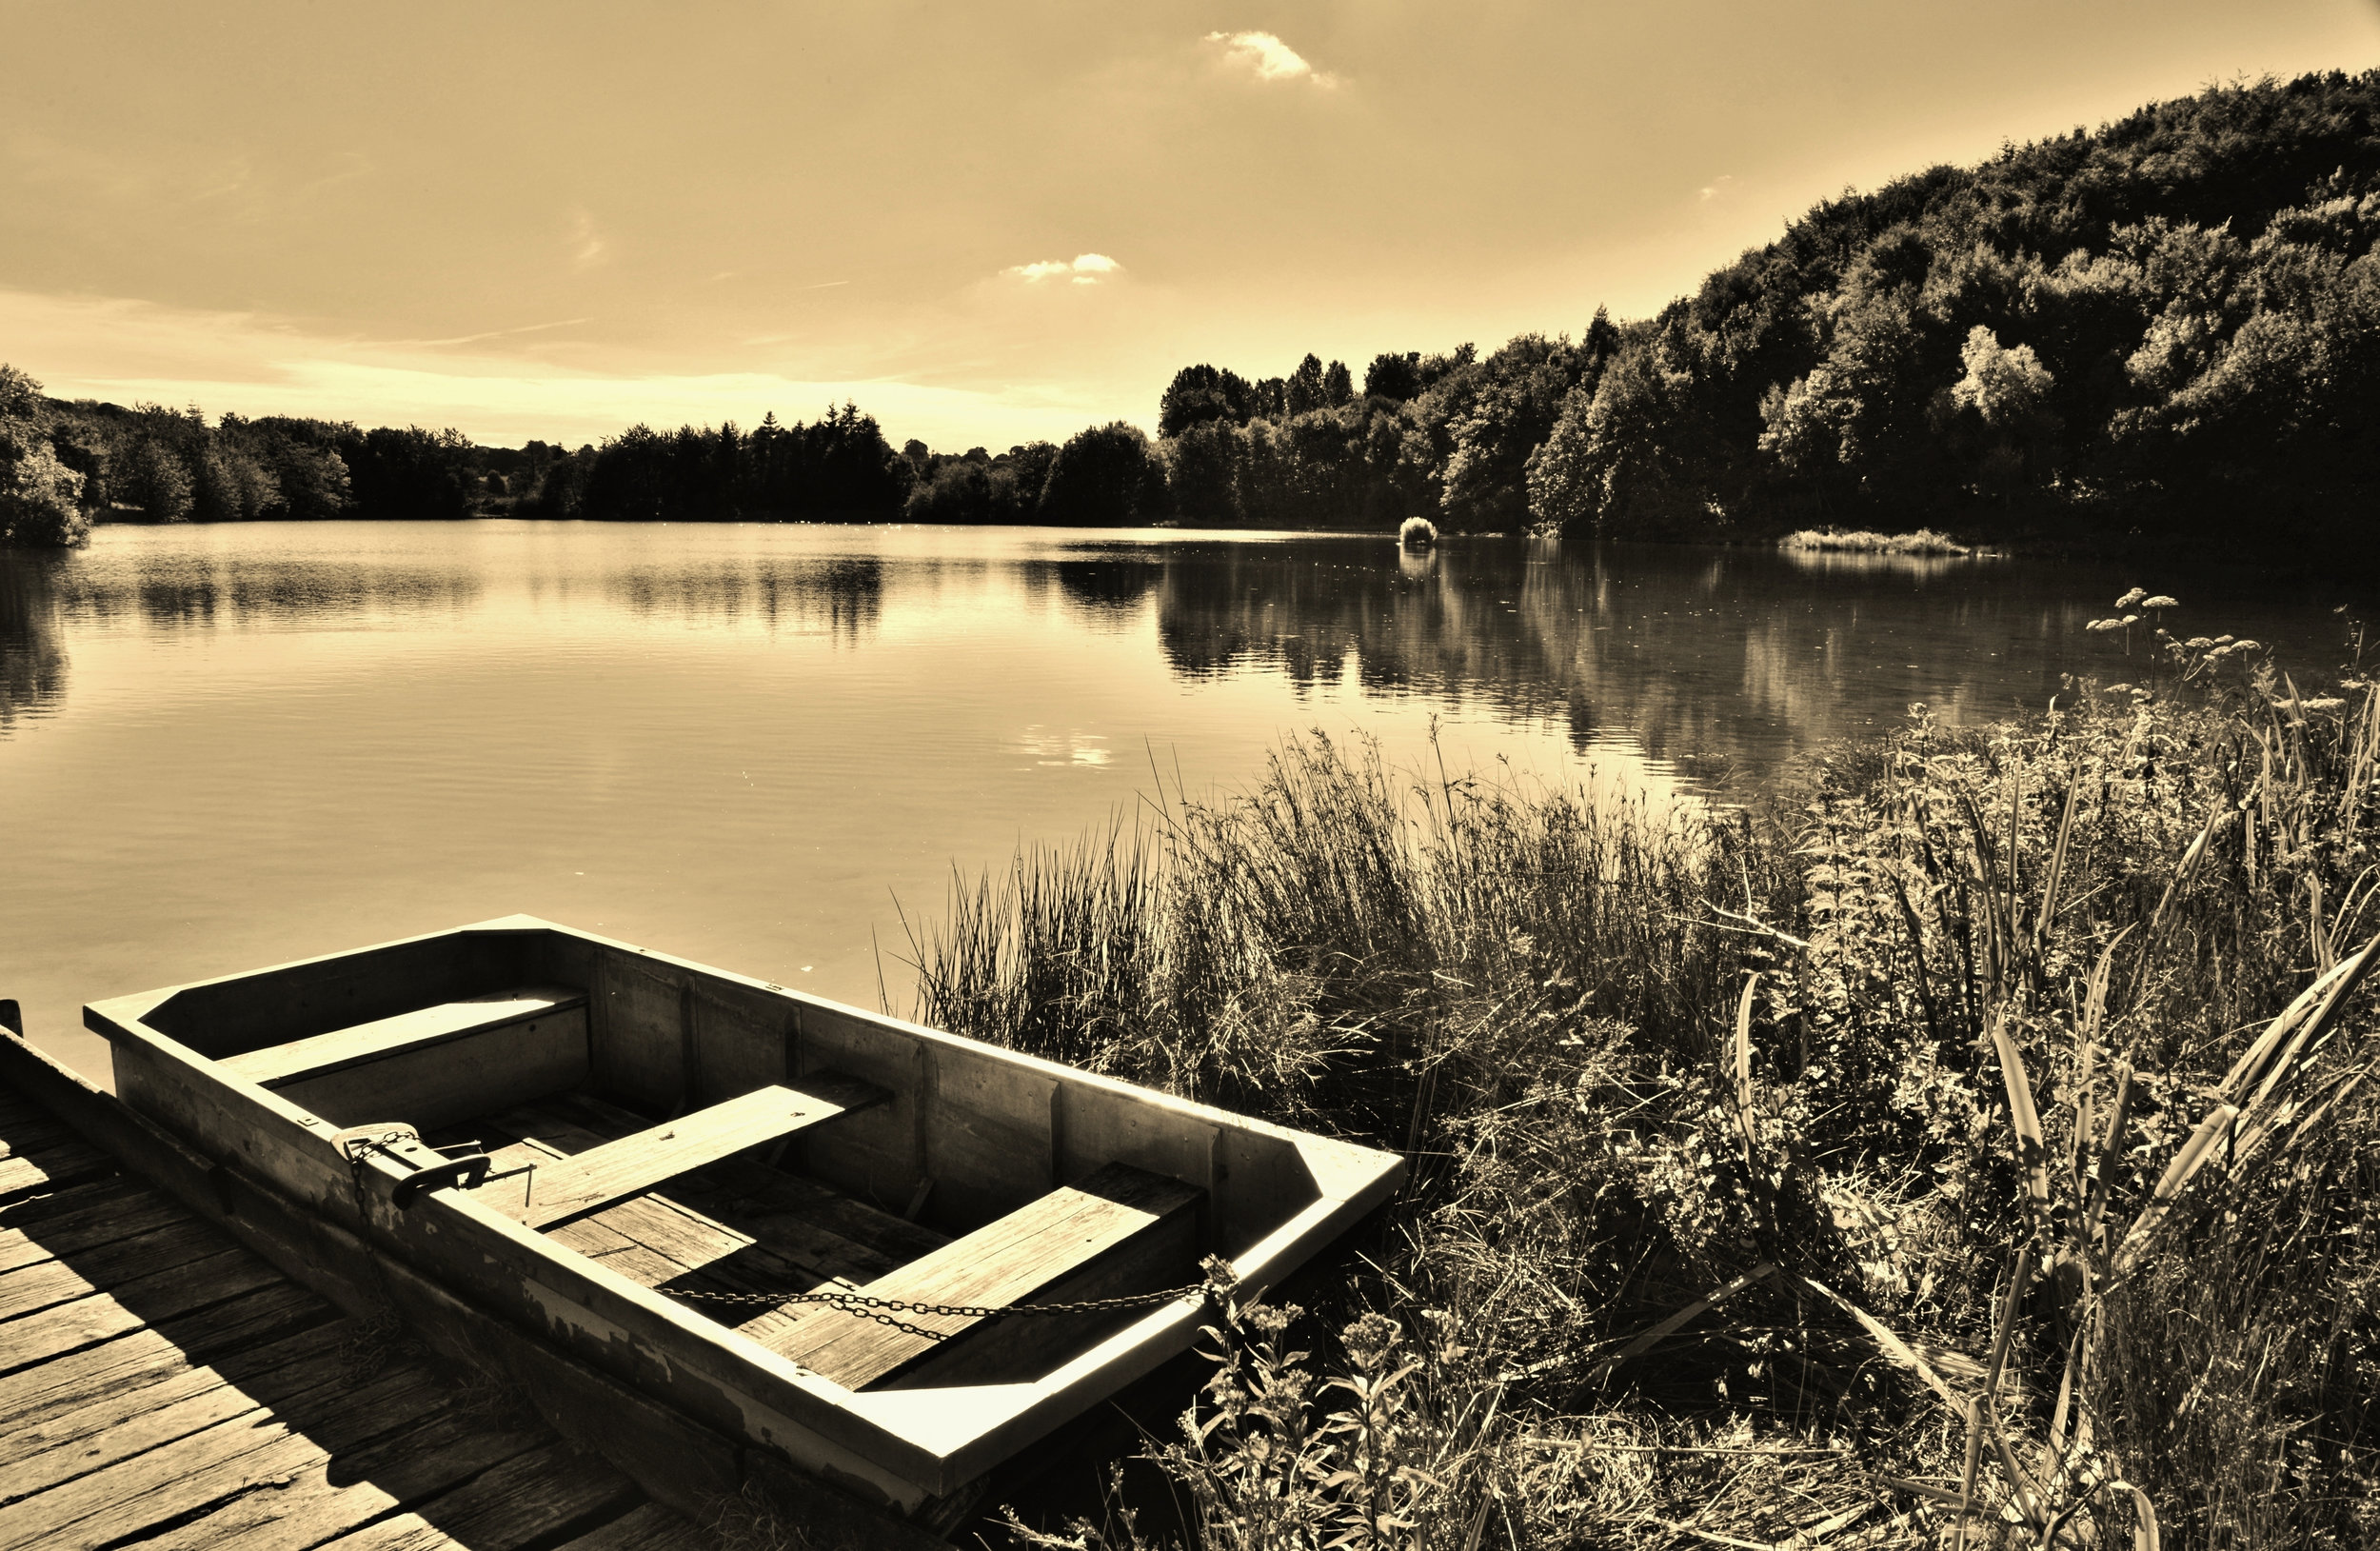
(654, 1156)
(324, 1497)
(650, 1527)
(149, 1354)
(31, 1134)
(51, 1169)
(93, 1411)
(143, 1301)
(30, 1290)
(548, 1492)
(414, 1030)
(813, 1224)
(222, 1462)
(1007, 1261)
(117, 1427)
(450, 1080)
(79, 1220)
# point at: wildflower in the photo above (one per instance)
(2161, 601)
(2323, 703)
(2105, 625)
(2198, 642)
(2131, 598)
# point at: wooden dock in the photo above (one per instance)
(163, 1389)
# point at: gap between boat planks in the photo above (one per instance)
(163, 1389)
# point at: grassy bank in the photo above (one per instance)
(1805, 1172)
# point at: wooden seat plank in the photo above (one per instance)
(1039, 1246)
(800, 1217)
(342, 1047)
(635, 1163)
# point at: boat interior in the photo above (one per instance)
(728, 1144)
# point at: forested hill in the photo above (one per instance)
(2172, 320)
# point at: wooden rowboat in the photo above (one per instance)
(651, 1170)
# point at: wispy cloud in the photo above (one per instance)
(588, 246)
(1085, 270)
(1270, 58)
(1717, 187)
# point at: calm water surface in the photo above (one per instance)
(227, 746)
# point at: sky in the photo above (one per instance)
(982, 222)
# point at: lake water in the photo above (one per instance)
(221, 748)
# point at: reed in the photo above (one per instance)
(1976, 1145)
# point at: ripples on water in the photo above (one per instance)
(226, 746)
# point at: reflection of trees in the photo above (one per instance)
(196, 591)
(1737, 653)
(33, 649)
(1102, 590)
(839, 595)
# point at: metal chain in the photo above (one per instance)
(884, 1311)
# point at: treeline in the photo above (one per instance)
(2176, 317)
(2171, 320)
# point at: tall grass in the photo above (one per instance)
(1992, 1109)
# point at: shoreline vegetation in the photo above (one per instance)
(2163, 332)
(1925, 541)
(1987, 1122)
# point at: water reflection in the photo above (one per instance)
(841, 596)
(32, 649)
(200, 590)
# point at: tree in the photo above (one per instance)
(1338, 386)
(1107, 476)
(1202, 393)
(41, 501)
(1306, 386)
(152, 479)
(1393, 377)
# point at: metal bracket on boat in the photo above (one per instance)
(400, 1142)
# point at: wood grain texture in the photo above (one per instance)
(1003, 1262)
(383, 1037)
(635, 1163)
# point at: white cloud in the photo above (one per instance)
(1085, 270)
(586, 244)
(1712, 190)
(1269, 57)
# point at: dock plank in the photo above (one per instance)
(188, 1402)
(221, 1462)
(214, 1404)
(51, 1169)
(46, 1283)
(648, 1528)
(59, 1380)
(80, 1219)
(533, 1496)
(112, 1406)
(655, 1155)
(89, 1321)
